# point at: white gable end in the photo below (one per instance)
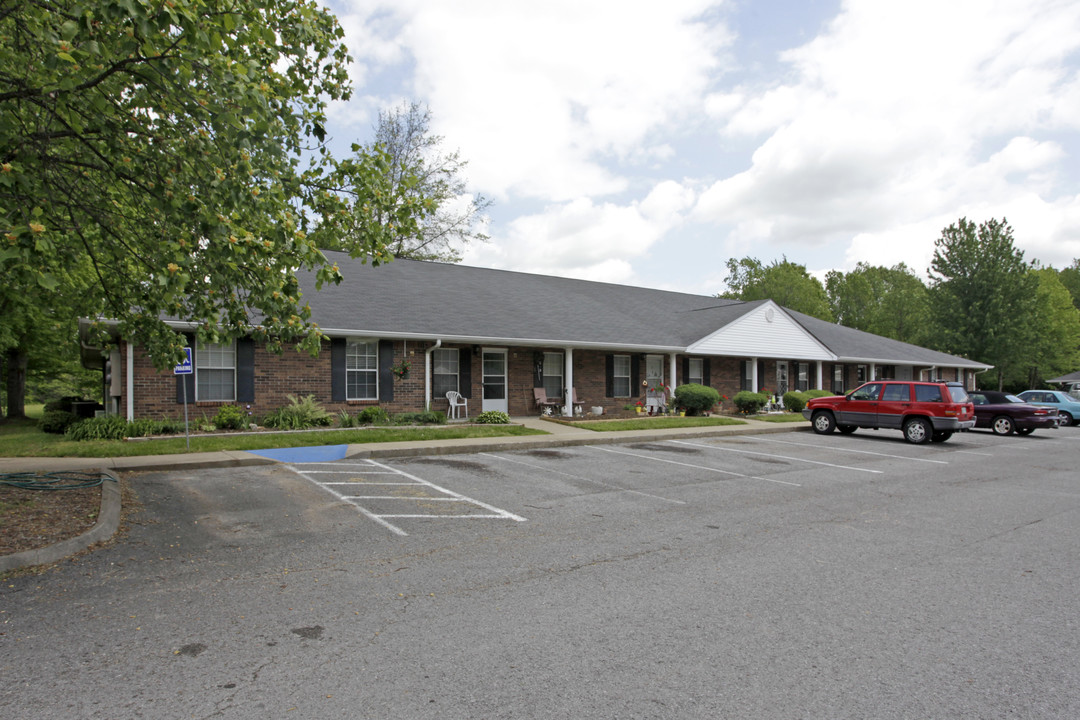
(766, 332)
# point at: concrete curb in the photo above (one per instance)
(108, 522)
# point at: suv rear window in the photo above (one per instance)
(959, 394)
(929, 393)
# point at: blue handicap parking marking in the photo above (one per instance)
(319, 453)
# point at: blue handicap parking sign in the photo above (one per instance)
(184, 368)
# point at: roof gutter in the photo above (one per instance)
(427, 373)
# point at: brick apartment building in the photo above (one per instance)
(406, 333)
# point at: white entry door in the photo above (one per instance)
(494, 381)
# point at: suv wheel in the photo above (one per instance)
(1002, 425)
(847, 429)
(917, 431)
(823, 422)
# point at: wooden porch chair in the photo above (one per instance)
(544, 404)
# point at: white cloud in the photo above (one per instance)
(900, 119)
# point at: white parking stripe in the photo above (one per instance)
(861, 452)
(579, 477)
(370, 467)
(781, 457)
(696, 467)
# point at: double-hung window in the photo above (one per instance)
(362, 370)
(445, 371)
(553, 374)
(746, 379)
(621, 376)
(803, 381)
(697, 371)
(838, 379)
(215, 372)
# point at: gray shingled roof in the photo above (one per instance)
(409, 298)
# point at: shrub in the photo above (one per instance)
(57, 421)
(345, 420)
(695, 398)
(373, 415)
(231, 417)
(795, 401)
(811, 394)
(492, 417)
(748, 402)
(299, 414)
(111, 427)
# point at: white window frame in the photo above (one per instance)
(802, 376)
(619, 375)
(215, 360)
(445, 363)
(696, 371)
(360, 365)
(554, 368)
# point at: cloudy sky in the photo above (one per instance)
(644, 142)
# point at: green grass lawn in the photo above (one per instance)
(655, 423)
(781, 417)
(22, 438)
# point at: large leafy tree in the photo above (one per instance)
(1070, 278)
(418, 167)
(1053, 346)
(174, 149)
(982, 294)
(891, 302)
(784, 282)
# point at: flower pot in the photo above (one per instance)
(639, 409)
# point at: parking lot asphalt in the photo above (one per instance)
(755, 575)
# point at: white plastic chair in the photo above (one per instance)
(456, 403)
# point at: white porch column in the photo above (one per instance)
(873, 371)
(819, 386)
(754, 383)
(568, 379)
(672, 375)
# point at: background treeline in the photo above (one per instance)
(982, 300)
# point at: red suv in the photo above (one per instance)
(922, 410)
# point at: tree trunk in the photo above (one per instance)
(15, 361)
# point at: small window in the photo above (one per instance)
(838, 379)
(621, 376)
(896, 393)
(928, 393)
(803, 381)
(215, 372)
(362, 370)
(445, 371)
(867, 392)
(747, 380)
(697, 371)
(553, 374)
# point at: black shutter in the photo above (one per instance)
(245, 370)
(635, 375)
(685, 370)
(609, 376)
(705, 379)
(188, 380)
(465, 372)
(337, 370)
(386, 374)
(760, 375)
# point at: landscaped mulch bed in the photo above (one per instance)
(34, 519)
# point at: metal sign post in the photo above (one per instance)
(185, 368)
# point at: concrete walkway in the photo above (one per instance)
(558, 435)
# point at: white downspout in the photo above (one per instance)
(427, 373)
(568, 377)
(130, 382)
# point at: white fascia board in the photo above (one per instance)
(764, 332)
(502, 341)
(967, 364)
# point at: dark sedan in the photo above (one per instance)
(1005, 414)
